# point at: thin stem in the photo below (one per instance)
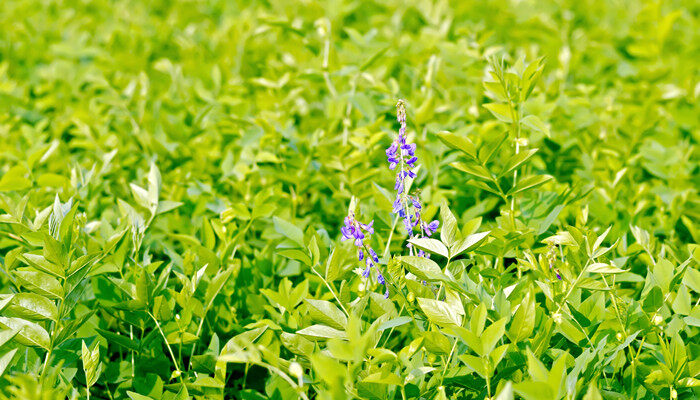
(133, 365)
(170, 350)
(573, 286)
(332, 291)
(447, 364)
(488, 385)
(386, 339)
(391, 234)
(326, 56)
(614, 301)
(46, 362)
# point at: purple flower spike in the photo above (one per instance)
(361, 233)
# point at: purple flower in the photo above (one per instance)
(361, 233)
(431, 227)
(416, 203)
(408, 225)
(374, 255)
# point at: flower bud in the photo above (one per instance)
(657, 320)
(296, 370)
(557, 317)
(619, 336)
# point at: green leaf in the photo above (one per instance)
(42, 264)
(394, 322)
(54, 253)
(493, 334)
(663, 274)
(333, 264)
(469, 243)
(529, 182)
(506, 393)
(6, 335)
(141, 196)
(424, 268)
(136, 396)
(478, 319)
(496, 91)
(295, 254)
(501, 111)
(6, 359)
(91, 363)
(33, 307)
(523, 322)
(166, 205)
(154, 185)
(383, 377)
(327, 313)
(458, 142)
(430, 245)
(535, 124)
(439, 312)
(533, 390)
(517, 160)
(289, 230)
(121, 340)
(473, 169)
(602, 268)
(30, 333)
(215, 286)
(40, 283)
(475, 363)
(322, 331)
(449, 232)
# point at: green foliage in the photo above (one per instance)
(174, 174)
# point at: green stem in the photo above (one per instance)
(391, 235)
(573, 286)
(447, 364)
(332, 291)
(170, 350)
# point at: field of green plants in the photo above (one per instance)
(287, 199)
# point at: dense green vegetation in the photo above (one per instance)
(174, 177)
